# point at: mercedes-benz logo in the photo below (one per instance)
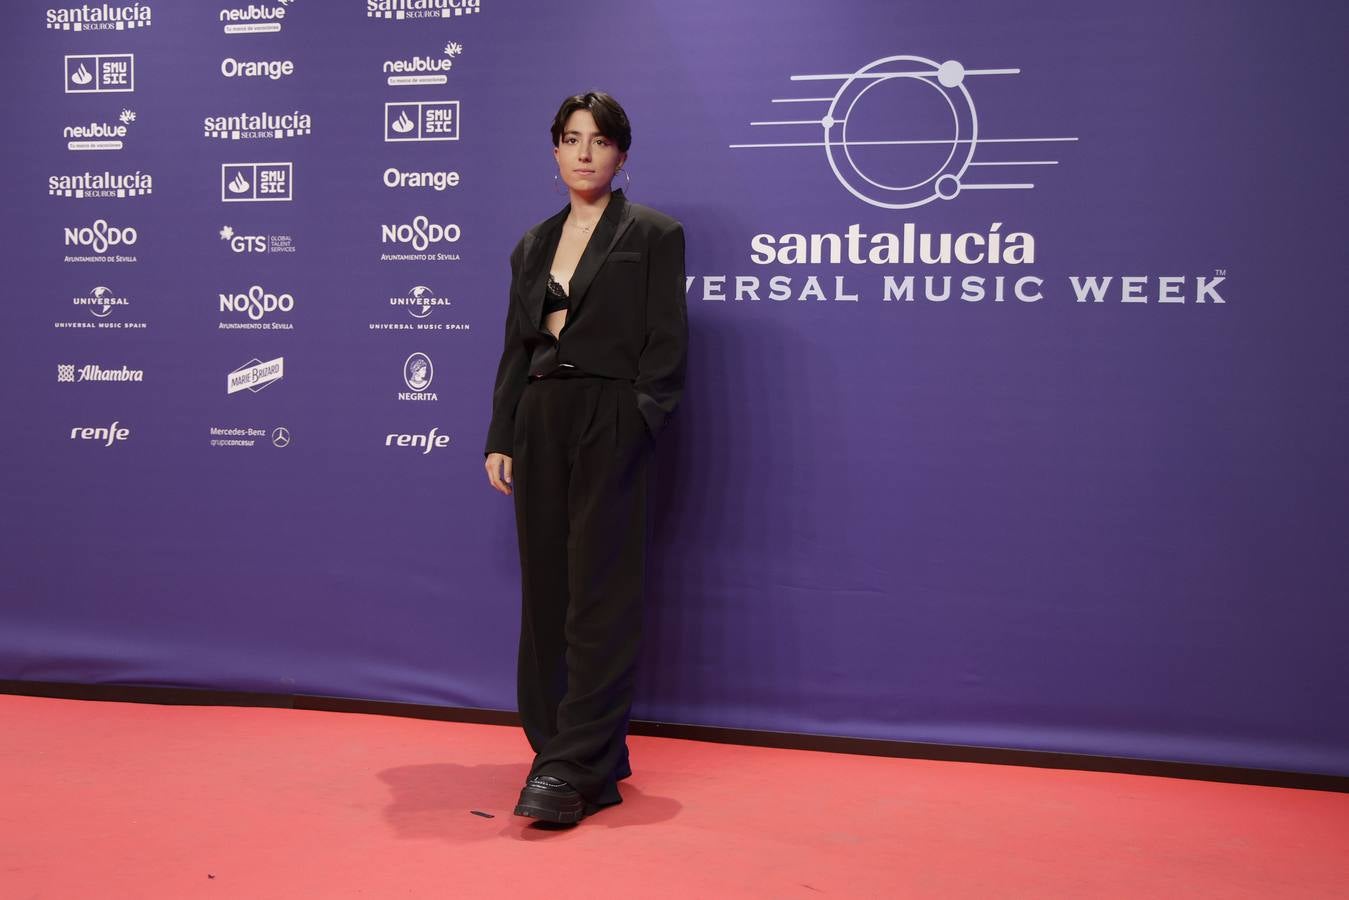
(280, 437)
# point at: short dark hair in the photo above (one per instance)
(609, 116)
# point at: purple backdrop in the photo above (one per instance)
(1110, 527)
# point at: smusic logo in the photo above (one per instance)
(255, 182)
(100, 73)
(425, 120)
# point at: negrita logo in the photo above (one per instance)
(903, 131)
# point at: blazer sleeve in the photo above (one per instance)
(512, 371)
(660, 368)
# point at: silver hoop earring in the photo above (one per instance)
(627, 179)
(558, 187)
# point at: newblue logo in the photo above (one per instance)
(100, 73)
(255, 182)
(422, 70)
(426, 120)
(99, 135)
(255, 18)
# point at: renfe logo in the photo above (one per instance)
(432, 440)
(109, 435)
(879, 166)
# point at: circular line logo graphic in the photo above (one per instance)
(870, 137)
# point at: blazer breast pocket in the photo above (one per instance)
(619, 256)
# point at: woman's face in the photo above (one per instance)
(586, 159)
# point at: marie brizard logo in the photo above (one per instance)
(255, 375)
(901, 171)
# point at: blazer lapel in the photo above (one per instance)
(538, 259)
(612, 225)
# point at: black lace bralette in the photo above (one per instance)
(555, 297)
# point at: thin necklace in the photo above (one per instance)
(585, 228)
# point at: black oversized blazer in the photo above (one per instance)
(627, 317)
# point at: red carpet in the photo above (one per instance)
(123, 800)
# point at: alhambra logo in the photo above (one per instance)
(100, 17)
(903, 131)
(255, 126)
(420, 9)
(422, 70)
(76, 374)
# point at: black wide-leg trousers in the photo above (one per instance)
(579, 469)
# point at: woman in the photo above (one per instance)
(593, 366)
